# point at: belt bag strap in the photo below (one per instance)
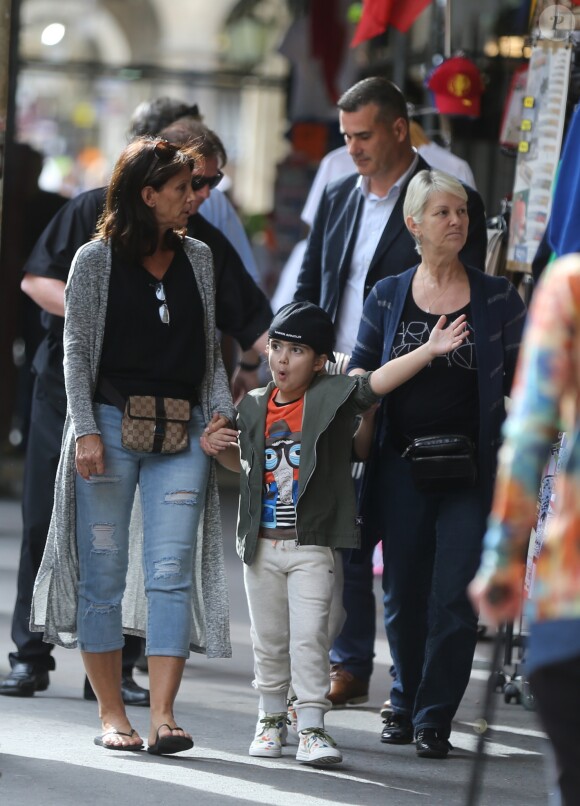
(107, 389)
(160, 418)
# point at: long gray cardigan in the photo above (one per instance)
(54, 605)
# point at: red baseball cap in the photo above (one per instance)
(457, 87)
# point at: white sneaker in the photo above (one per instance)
(317, 748)
(268, 739)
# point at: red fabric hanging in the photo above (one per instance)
(406, 12)
(327, 41)
(377, 15)
(374, 20)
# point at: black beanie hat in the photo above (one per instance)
(304, 323)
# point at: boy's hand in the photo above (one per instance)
(216, 436)
(444, 339)
(218, 441)
(217, 421)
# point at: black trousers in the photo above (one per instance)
(42, 455)
(557, 691)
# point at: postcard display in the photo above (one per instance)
(541, 129)
(539, 147)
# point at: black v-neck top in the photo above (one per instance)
(142, 355)
(443, 398)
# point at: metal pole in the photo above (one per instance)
(9, 26)
(5, 8)
(447, 29)
(400, 58)
(9, 274)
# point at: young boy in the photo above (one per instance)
(297, 505)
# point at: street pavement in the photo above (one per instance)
(47, 755)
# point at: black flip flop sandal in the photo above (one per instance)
(165, 745)
(98, 740)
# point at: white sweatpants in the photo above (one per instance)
(289, 590)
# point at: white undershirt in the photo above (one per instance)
(374, 218)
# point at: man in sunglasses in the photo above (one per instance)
(152, 117)
(242, 312)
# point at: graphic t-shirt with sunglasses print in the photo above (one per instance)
(281, 465)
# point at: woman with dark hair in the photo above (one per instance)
(427, 487)
(139, 340)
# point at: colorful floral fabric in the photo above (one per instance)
(545, 400)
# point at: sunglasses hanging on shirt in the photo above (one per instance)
(163, 308)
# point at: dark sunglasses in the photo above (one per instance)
(163, 151)
(199, 182)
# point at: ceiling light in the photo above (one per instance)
(52, 34)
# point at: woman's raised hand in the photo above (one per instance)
(444, 339)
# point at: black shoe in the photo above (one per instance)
(132, 693)
(398, 730)
(430, 743)
(24, 680)
(142, 663)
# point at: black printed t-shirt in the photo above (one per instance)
(443, 397)
(142, 355)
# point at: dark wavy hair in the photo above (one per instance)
(127, 222)
(150, 117)
(190, 132)
(376, 90)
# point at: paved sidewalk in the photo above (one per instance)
(47, 755)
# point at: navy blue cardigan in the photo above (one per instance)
(498, 315)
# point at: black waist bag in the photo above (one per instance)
(442, 463)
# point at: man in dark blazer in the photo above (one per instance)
(359, 237)
(375, 124)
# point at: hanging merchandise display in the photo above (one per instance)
(541, 129)
(510, 130)
(546, 504)
(457, 87)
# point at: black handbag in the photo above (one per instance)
(443, 463)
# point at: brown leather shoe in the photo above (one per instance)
(345, 688)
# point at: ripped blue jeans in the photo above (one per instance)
(172, 489)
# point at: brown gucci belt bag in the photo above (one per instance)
(155, 424)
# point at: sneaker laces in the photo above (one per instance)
(319, 733)
(273, 721)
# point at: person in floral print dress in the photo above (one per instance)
(546, 399)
